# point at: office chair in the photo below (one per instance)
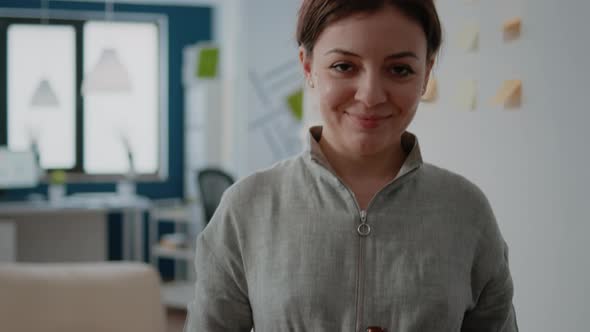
(212, 182)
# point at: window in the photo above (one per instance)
(51, 126)
(134, 115)
(84, 134)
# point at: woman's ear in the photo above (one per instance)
(305, 60)
(429, 66)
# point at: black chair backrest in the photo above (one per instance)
(212, 182)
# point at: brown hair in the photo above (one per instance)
(316, 15)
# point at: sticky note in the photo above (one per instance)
(466, 97)
(431, 93)
(509, 95)
(295, 102)
(208, 59)
(512, 28)
(469, 38)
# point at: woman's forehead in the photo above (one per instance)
(383, 31)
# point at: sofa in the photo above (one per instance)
(80, 297)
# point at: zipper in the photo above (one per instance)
(363, 230)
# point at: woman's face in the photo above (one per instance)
(367, 73)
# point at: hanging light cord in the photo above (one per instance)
(108, 10)
(44, 12)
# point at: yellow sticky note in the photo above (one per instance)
(431, 93)
(510, 94)
(295, 102)
(467, 95)
(469, 38)
(512, 28)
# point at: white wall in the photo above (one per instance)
(532, 163)
(273, 72)
(231, 34)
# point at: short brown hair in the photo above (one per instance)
(316, 15)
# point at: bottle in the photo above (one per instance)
(375, 329)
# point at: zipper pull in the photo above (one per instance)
(364, 229)
(363, 216)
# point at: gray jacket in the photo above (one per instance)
(288, 249)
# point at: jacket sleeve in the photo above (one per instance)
(492, 289)
(494, 311)
(221, 296)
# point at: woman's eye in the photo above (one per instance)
(342, 67)
(402, 71)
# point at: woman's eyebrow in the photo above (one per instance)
(399, 55)
(342, 51)
(406, 54)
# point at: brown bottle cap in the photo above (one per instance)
(375, 329)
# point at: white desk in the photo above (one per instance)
(7, 241)
(132, 209)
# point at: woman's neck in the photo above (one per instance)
(380, 167)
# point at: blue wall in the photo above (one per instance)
(186, 25)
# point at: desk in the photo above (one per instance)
(132, 209)
(7, 239)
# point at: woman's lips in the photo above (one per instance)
(368, 121)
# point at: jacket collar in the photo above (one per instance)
(409, 144)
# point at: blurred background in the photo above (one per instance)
(122, 122)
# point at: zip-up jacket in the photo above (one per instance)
(288, 249)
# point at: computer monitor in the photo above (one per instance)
(18, 169)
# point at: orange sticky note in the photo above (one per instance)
(510, 94)
(512, 28)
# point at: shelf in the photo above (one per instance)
(173, 214)
(177, 214)
(177, 294)
(187, 220)
(163, 252)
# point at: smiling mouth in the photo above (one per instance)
(367, 121)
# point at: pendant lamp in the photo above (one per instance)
(44, 95)
(108, 75)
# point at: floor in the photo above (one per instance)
(175, 320)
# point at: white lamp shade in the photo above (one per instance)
(44, 95)
(108, 76)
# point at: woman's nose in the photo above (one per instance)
(370, 90)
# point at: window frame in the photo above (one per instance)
(77, 19)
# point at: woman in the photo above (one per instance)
(357, 231)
